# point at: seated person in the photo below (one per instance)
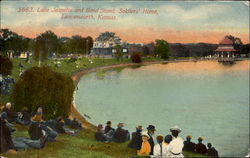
(37, 121)
(121, 135)
(146, 147)
(75, 124)
(24, 117)
(200, 147)
(188, 145)
(38, 115)
(108, 127)
(59, 127)
(8, 143)
(160, 149)
(11, 115)
(99, 135)
(211, 151)
(136, 140)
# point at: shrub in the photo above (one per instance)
(136, 57)
(6, 65)
(42, 87)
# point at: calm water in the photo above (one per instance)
(203, 98)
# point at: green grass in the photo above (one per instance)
(83, 145)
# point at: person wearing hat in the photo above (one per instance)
(200, 147)
(188, 145)
(108, 127)
(99, 135)
(145, 147)
(152, 140)
(160, 149)
(121, 135)
(136, 140)
(176, 145)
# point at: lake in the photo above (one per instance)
(203, 98)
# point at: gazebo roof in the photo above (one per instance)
(226, 41)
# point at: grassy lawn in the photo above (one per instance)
(83, 145)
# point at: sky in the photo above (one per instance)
(174, 21)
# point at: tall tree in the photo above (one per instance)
(162, 48)
(46, 43)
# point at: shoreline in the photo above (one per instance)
(76, 77)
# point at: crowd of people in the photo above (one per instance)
(40, 130)
(148, 144)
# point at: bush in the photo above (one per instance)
(6, 65)
(42, 87)
(136, 57)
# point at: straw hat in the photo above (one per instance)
(175, 128)
(145, 134)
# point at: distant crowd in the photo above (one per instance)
(148, 144)
(40, 130)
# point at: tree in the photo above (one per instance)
(43, 87)
(6, 65)
(12, 42)
(90, 43)
(119, 53)
(46, 43)
(162, 48)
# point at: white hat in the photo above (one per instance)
(144, 133)
(175, 128)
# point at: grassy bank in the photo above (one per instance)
(83, 145)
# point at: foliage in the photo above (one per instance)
(162, 49)
(119, 53)
(11, 41)
(45, 43)
(5, 65)
(42, 87)
(136, 57)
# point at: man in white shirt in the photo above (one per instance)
(176, 145)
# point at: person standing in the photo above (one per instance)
(160, 149)
(152, 139)
(136, 140)
(188, 145)
(145, 147)
(200, 147)
(176, 145)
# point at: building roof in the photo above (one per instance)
(225, 50)
(226, 41)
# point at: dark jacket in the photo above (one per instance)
(59, 127)
(11, 115)
(99, 136)
(212, 152)
(107, 129)
(189, 146)
(5, 137)
(35, 131)
(152, 144)
(200, 148)
(136, 141)
(120, 135)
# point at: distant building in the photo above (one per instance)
(105, 45)
(226, 48)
